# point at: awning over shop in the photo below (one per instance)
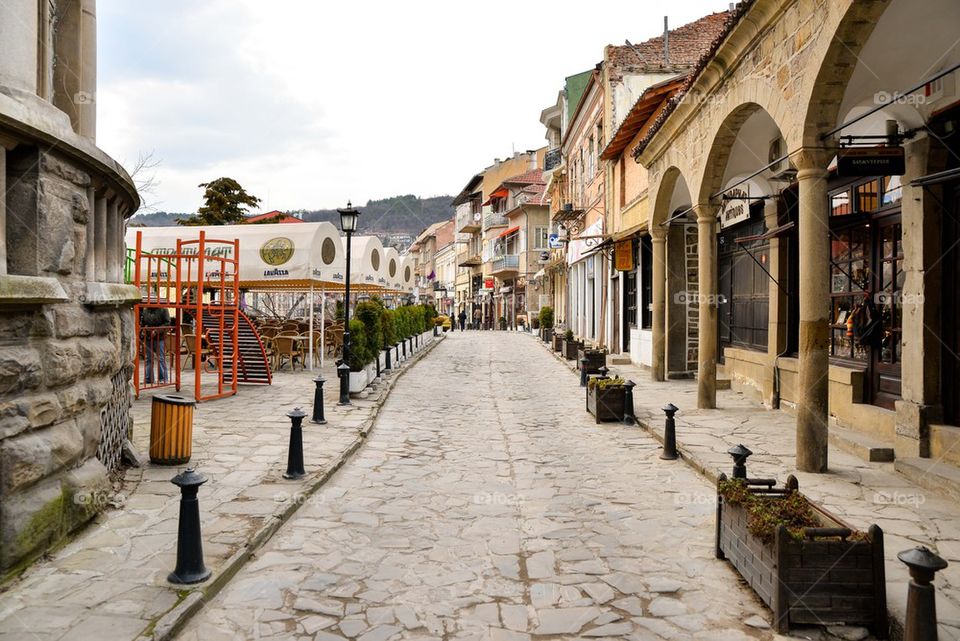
(500, 193)
(512, 230)
(272, 256)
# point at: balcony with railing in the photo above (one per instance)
(467, 221)
(494, 220)
(552, 159)
(505, 264)
(468, 259)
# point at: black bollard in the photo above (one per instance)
(921, 620)
(603, 371)
(378, 363)
(295, 451)
(583, 371)
(739, 454)
(386, 356)
(318, 401)
(629, 416)
(343, 372)
(403, 344)
(435, 329)
(190, 567)
(669, 433)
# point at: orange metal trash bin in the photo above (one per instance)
(171, 429)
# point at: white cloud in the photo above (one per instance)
(308, 104)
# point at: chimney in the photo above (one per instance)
(666, 42)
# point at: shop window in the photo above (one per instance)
(541, 238)
(744, 286)
(646, 282)
(867, 196)
(840, 204)
(892, 190)
(867, 261)
(849, 278)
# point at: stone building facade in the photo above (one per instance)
(761, 122)
(66, 324)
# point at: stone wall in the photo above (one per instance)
(59, 364)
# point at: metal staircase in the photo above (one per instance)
(252, 360)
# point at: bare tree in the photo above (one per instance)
(144, 175)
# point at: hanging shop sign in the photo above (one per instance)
(553, 241)
(736, 206)
(488, 283)
(871, 161)
(623, 255)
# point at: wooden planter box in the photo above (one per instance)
(546, 334)
(595, 359)
(606, 404)
(823, 579)
(557, 342)
(571, 348)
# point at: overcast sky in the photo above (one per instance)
(310, 103)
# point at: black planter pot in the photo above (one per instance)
(571, 349)
(546, 334)
(595, 359)
(557, 342)
(606, 404)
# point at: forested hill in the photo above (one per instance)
(398, 215)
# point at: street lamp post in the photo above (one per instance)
(348, 223)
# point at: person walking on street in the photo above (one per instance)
(462, 317)
(155, 323)
(477, 315)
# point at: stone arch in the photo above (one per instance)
(847, 30)
(725, 136)
(672, 178)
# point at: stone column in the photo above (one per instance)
(114, 239)
(707, 328)
(814, 364)
(100, 239)
(920, 307)
(90, 262)
(87, 64)
(777, 315)
(19, 35)
(658, 236)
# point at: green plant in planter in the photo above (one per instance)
(545, 317)
(359, 353)
(388, 327)
(766, 513)
(502, 322)
(604, 383)
(568, 335)
(369, 313)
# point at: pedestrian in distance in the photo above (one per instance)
(462, 317)
(155, 323)
(477, 315)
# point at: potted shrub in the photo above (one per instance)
(358, 357)
(806, 564)
(596, 358)
(606, 398)
(570, 346)
(545, 318)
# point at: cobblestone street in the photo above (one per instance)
(487, 504)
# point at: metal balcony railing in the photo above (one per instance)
(552, 159)
(493, 220)
(509, 262)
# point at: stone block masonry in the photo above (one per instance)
(64, 370)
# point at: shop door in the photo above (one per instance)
(629, 306)
(615, 298)
(950, 376)
(888, 285)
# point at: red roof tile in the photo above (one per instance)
(687, 44)
(529, 177)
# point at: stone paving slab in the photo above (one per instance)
(110, 582)
(859, 492)
(487, 505)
